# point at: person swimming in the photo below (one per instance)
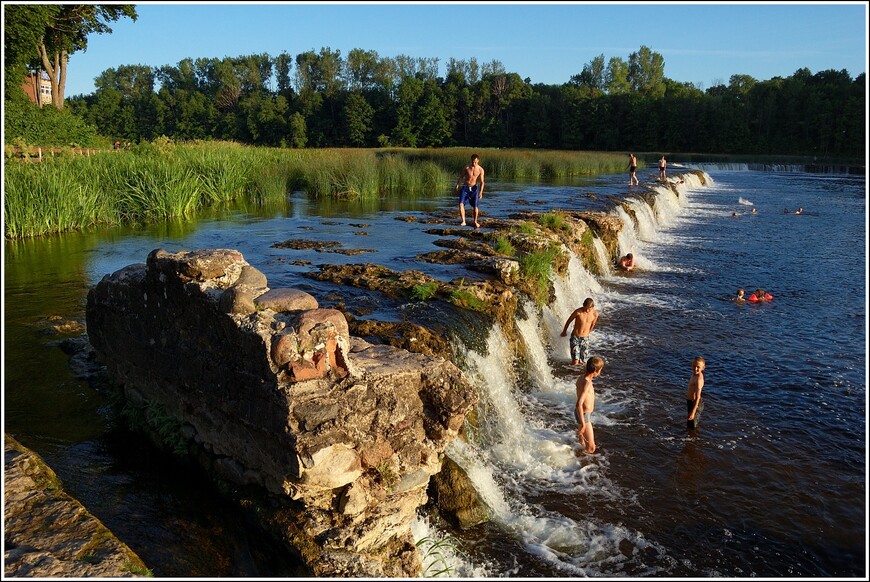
(760, 296)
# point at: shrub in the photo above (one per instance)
(528, 228)
(46, 126)
(554, 221)
(424, 291)
(504, 246)
(535, 268)
(466, 299)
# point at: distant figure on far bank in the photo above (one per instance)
(632, 171)
(760, 296)
(584, 319)
(626, 263)
(663, 165)
(470, 190)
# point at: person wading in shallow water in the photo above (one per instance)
(584, 319)
(632, 171)
(586, 403)
(468, 188)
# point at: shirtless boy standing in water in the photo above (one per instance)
(586, 403)
(584, 319)
(468, 188)
(632, 171)
(693, 396)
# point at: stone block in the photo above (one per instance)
(282, 300)
(285, 349)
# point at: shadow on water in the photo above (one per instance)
(166, 511)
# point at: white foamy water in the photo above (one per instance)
(605, 262)
(442, 555)
(526, 443)
(536, 348)
(575, 547)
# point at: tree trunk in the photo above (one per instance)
(56, 74)
(35, 87)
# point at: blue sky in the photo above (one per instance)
(702, 43)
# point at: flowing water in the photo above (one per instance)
(773, 483)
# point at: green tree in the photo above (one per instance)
(44, 36)
(741, 84)
(406, 130)
(646, 72)
(360, 70)
(468, 71)
(592, 75)
(264, 118)
(538, 123)
(358, 116)
(283, 63)
(457, 98)
(616, 77)
(297, 130)
(431, 119)
(23, 27)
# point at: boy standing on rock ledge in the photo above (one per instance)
(470, 191)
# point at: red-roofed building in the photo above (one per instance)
(37, 85)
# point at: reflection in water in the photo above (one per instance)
(691, 469)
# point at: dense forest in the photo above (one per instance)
(322, 99)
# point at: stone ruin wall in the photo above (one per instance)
(270, 391)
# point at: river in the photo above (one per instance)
(773, 483)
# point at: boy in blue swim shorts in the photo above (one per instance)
(469, 186)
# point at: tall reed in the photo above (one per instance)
(163, 179)
(37, 202)
(514, 164)
(224, 174)
(160, 190)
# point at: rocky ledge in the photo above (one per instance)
(330, 440)
(48, 534)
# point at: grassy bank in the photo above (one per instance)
(162, 180)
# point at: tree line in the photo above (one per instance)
(324, 99)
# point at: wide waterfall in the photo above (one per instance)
(526, 445)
